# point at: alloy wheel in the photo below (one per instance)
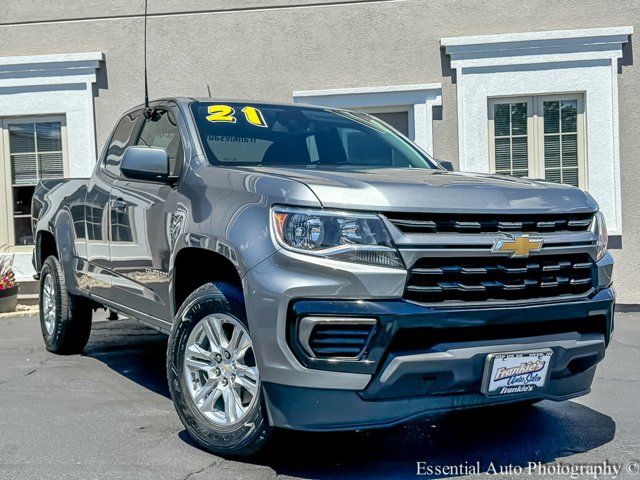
(49, 304)
(220, 370)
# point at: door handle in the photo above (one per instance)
(119, 205)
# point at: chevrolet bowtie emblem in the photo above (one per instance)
(517, 246)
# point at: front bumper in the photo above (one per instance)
(420, 360)
(315, 409)
(446, 374)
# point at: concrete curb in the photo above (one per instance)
(627, 307)
(21, 312)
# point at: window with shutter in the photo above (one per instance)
(560, 119)
(539, 137)
(35, 151)
(511, 141)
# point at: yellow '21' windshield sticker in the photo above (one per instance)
(226, 114)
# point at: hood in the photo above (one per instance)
(435, 191)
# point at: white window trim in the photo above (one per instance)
(535, 133)
(7, 235)
(418, 100)
(58, 85)
(545, 63)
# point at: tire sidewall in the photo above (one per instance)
(236, 439)
(51, 267)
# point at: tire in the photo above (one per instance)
(65, 319)
(203, 400)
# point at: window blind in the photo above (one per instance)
(510, 139)
(561, 141)
(35, 152)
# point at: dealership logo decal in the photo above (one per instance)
(517, 246)
(526, 368)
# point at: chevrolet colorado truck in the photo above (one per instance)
(315, 270)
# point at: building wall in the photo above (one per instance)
(266, 49)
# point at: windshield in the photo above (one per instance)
(291, 136)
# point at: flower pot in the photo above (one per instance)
(8, 299)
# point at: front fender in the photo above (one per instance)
(66, 242)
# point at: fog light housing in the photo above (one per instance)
(335, 337)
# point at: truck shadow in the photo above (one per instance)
(133, 350)
(469, 441)
(505, 436)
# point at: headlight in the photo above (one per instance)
(356, 238)
(599, 227)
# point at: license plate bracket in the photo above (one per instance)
(520, 372)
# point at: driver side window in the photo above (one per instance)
(122, 137)
(162, 131)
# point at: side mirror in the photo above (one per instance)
(448, 166)
(145, 163)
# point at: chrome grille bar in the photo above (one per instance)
(434, 280)
(485, 223)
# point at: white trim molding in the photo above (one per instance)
(46, 85)
(418, 100)
(542, 63)
(58, 84)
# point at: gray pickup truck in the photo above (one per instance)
(315, 270)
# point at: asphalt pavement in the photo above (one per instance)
(107, 414)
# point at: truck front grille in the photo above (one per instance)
(482, 223)
(434, 280)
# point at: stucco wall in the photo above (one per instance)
(266, 49)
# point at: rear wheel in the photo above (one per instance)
(213, 375)
(65, 319)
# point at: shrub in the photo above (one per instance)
(7, 277)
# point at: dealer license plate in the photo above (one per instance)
(516, 372)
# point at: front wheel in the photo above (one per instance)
(213, 375)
